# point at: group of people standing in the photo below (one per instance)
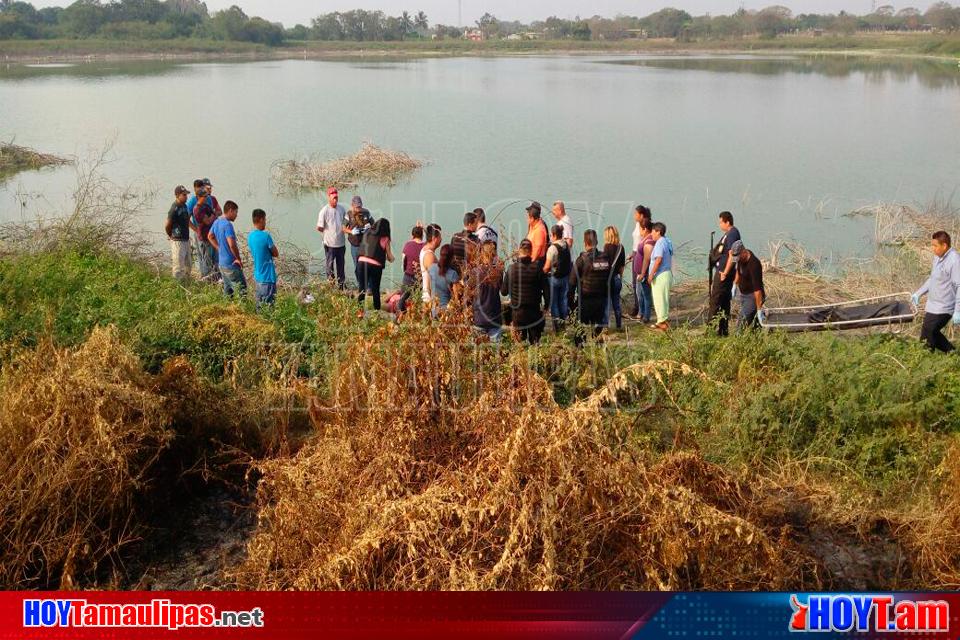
(542, 277)
(198, 218)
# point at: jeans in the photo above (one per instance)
(616, 288)
(266, 293)
(180, 259)
(720, 298)
(748, 312)
(644, 295)
(207, 261)
(559, 301)
(334, 260)
(408, 286)
(355, 254)
(371, 275)
(234, 282)
(494, 333)
(932, 332)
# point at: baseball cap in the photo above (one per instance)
(207, 183)
(332, 191)
(526, 244)
(180, 190)
(736, 248)
(356, 202)
(535, 206)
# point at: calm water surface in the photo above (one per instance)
(789, 145)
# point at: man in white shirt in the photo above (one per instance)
(560, 213)
(942, 289)
(330, 224)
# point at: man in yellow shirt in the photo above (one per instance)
(537, 235)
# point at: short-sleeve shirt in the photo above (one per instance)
(537, 235)
(331, 219)
(726, 242)
(751, 275)
(260, 244)
(180, 216)
(203, 212)
(442, 284)
(411, 257)
(221, 230)
(662, 250)
(567, 225)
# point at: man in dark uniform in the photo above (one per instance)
(721, 292)
(591, 280)
(526, 284)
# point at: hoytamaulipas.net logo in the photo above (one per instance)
(868, 613)
(160, 613)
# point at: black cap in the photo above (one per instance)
(535, 206)
(180, 190)
(207, 183)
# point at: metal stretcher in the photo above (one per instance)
(890, 310)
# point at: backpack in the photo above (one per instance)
(564, 264)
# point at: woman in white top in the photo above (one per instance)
(428, 258)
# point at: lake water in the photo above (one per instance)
(789, 145)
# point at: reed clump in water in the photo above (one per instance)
(14, 159)
(370, 165)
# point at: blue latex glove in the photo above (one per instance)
(915, 299)
(956, 318)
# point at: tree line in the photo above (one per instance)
(172, 19)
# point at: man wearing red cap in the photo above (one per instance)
(330, 224)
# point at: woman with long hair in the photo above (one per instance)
(618, 258)
(375, 252)
(484, 282)
(443, 276)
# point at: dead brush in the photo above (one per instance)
(370, 165)
(14, 158)
(491, 485)
(931, 532)
(78, 431)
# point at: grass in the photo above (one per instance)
(417, 431)
(927, 44)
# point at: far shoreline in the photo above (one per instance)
(942, 48)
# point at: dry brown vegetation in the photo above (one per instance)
(71, 476)
(14, 159)
(370, 165)
(487, 484)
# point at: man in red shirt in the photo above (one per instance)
(537, 234)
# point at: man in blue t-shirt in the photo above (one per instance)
(263, 251)
(721, 291)
(224, 240)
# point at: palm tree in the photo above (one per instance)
(406, 23)
(421, 21)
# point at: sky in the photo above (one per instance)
(291, 12)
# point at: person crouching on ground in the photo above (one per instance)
(661, 275)
(558, 266)
(749, 283)
(411, 265)
(591, 277)
(263, 251)
(526, 285)
(942, 289)
(375, 252)
(223, 238)
(178, 230)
